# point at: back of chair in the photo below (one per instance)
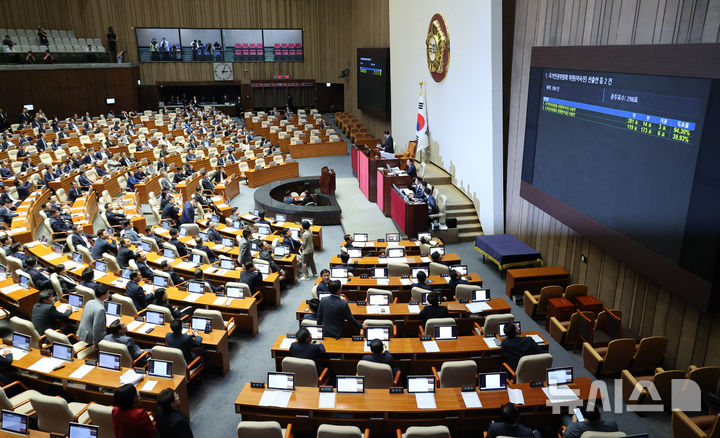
(259, 429)
(202, 254)
(374, 291)
(26, 327)
(56, 337)
(684, 427)
(13, 264)
(245, 288)
(610, 321)
(174, 355)
(618, 357)
(115, 347)
(214, 315)
(112, 263)
(416, 293)
(332, 431)
(649, 353)
(531, 368)
(55, 282)
(438, 268)
(53, 413)
(432, 322)
(458, 373)
(585, 328)
(706, 377)
(576, 321)
(492, 327)
(192, 229)
(163, 274)
(573, 291)
(304, 369)
(126, 304)
(87, 293)
(464, 291)
(547, 293)
(377, 375)
(162, 309)
(398, 269)
(427, 431)
(86, 254)
(101, 416)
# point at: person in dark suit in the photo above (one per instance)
(6, 213)
(183, 342)
(23, 189)
(174, 276)
(125, 254)
(141, 262)
(421, 278)
(117, 332)
(188, 212)
(58, 224)
(333, 312)
(378, 353)
(266, 254)
(288, 199)
(411, 170)
(24, 117)
(388, 144)
(171, 423)
(102, 244)
(251, 276)
(44, 313)
(288, 241)
(17, 250)
(514, 347)
(509, 426)
(49, 175)
(433, 309)
(170, 211)
(213, 234)
(200, 246)
(114, 215)
(84, 181)
(40, 280)
(66, 283)
(431, 202)
(454, 279)
(74, 192)
(79, 237)
(87, 279)
(305, 348)
(181, 249)
(133, 290)
(593, 422)
(261, 218)
(324, 284)
(205, 182)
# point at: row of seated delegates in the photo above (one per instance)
(304, 198)
(130, 421)
(421, 192)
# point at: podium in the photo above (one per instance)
(327, 181)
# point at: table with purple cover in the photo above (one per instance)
(506, 251)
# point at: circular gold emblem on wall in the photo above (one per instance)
(437, 46)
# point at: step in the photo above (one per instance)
(467, 237)
(460, 210)
(466, 220)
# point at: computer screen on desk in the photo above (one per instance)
(378, 299)
(421, 384)
(350, 384)
(491, 381)
(382, 333)
(281, 381)
(78, 430)
(360, 237)
(14, 422)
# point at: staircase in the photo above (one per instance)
(458, 205)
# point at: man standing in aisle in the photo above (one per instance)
(307, 252)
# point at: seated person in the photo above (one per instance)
(305, 348)
(125, 254)
(378, 353)
(454, 279)
(66, 283)
(252, 277)
(129, 421)
(509, 426)
(87, 279)
(421, 278)
(161, 299)
(288, 241)
(213, 234)
(40, 280)
(345, 258)
(117, 332)
(141, 298)
(261, 218)
(181, 249)
(17, 250)
(323, 285)
(288, 199)
(200, 246)
(593, 422)
(58, 224)
(44, 313)
(174, 276)
(266, 253)
(170, 421)
(199, 276)
(514, 347)
(183, 342)
(433, 309)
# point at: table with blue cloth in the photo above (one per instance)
(506, 251)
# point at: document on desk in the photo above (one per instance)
(491, 342)
(471, 399)
(109, 319)
(230, 229)
(149, 385)
(286, 343)
(405, 281)
(393, 244)
(63, 307)
(131, 377)
(219, 301)
(149, 288)
(478, 307)
(134, 325)
(185, 265)
(191, 298)
(221, 272)
(81, 372)
(537, 338)
(10, 289)
(18, 353)
(560, 394)
(71, 265)
(368, 244)
(98, 274)
(383, 281)
(51, 256)
(426, 259)
(425, 400)
(413, 308)
(45, 365)
(278, 399)
(358, 244)
(431, 346)
(516, 396)
(326, 400)
(398, 260)
(145, 327)
(377, 310)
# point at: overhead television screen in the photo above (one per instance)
(283, 44)
(373, 81)
(243, 45)
(630, 161)
(201, 45)
(158, 44)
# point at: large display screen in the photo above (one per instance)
(629, 161)
(373, 81)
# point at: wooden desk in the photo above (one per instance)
(414, 261)
(367, 165)
(560, 308)
(99, 384)
(589, 303)
(259, 177)
(411, 218)
(385, 182)
(534, 279)
(274, 226)
(383, 412)
(376, 248)
(230, 188)
(143, 189)
(21, 300)
(306, 150)
(187, 188)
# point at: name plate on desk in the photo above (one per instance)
(357, 338)
(260, 385)
(426, 338)
(397, 390)
(326, 389)
(361, 303)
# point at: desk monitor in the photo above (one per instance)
(57, 248)
(281, 381)
(491, 381)
(559, 376)
(14, 422)
(392, 237)
(256, 213)
(21, 341)
(110, 231)
(280, 218)
(75, 300)
(62, 351)
(215, 219)
(226, 241)
(196, 259)
(113, 308)
(125, 273)
(165, 224)
(169, 253)
(227, 264)
(264, 268)
(382, 333)
(322, 295)
(160, 368)
(420, 384)
(350, 384)
(182, 231)
(153, 317)
(501, 328)
(378, 299)
(196, 287)
(254, 246)
(295, 233)
(201, 324)
(354, 253)
(78, 430)
(460, 269)
(100, 266)
(424, 297)
(414, 272)
(395, 252)
(480, 295)
(160, 281)
(233, 292)
(203, 235)
(338, 272)
(316, 332)
(77, 257)
(145, 247)
(263, 229)
(445, 332)
(380, 273)
(237, 224)
(437, 249)
(280, 251)
(426, 235)
(360, 237)
(109, 361)
(24, 282)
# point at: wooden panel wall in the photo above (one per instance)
(67, 91)
(694, 334)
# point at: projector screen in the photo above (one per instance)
(373, 82)
(628, 160)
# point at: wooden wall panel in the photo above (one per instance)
(647, 309)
